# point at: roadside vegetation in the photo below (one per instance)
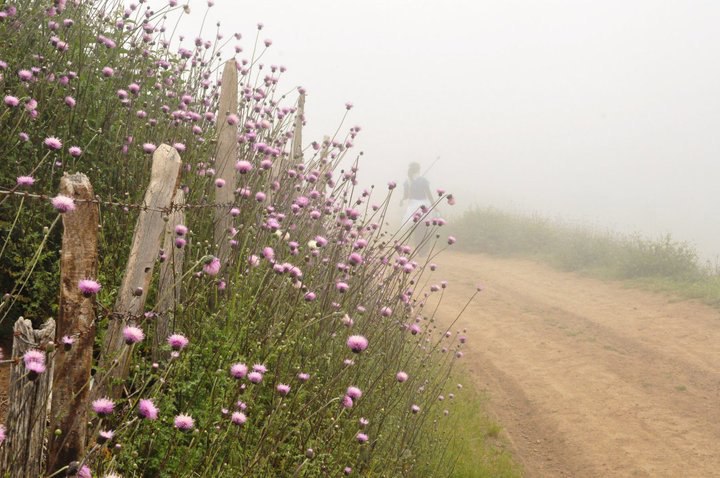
(309, 352)
(661, 264)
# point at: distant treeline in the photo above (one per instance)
(661, 263)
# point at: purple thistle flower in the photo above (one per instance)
(25, 75)
(255, 377)
(177, 341)
(63, 204)
(11, 101)
(51, 142)
(283, 389)
(105, 436)
(238, 418)
(184, 422)
(258, 367)
(238, 370)
(401, 376)
(84, 472)
(303, 377)
(70, 101)
(233, 119)
(108, 72)
(415, 409)
(181, 230)
(347, 471)
(147, 409)
(361, 438)
(34, 356)
(34, 369)
(243, 166)
(75, 151)
(103, 406)
(2, 434)
(67, 341)
(212, 267)
(310, 296)
(149, 148)
(357, 343)
(354, 393)
(25, 181)
(133, 335)
(89, 287)
(451, 240)
(347, 402)
(386, 311)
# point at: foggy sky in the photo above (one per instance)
(603, 112)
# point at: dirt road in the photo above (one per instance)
(588, 378)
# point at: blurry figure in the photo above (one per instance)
(416, 192)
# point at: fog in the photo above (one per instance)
(601, 112)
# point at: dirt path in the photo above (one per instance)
(588, 378)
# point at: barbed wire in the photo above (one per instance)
(141, 206)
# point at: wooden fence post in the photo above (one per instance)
(130, 303)
(296, 147)
(22, 452)
(169, 284)
(227, 152)
(76, 319)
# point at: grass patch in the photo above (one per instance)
(476, 441)
(662, 265)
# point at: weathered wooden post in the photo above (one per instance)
(169, 284)
(76, 319)
(226, 155)
(21, 455)
(296, 146)
(114, 358)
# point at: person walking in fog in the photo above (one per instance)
(416, 193)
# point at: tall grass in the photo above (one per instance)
(663, 263)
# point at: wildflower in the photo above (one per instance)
(238, 370)
(67, 341)
(51, 142)
(25, 75)
(401, 376)
(361, 438)
(363, 422)
(310, 296)
(243, 166)
(63, 203)
(149, 148)
(283, 389)
(25, 181)
(2, 434)
(258, 367)
(70, 101)
(357, 343)
(181, 230)
(347, 402)
(33, 356)
(415, 409)
(342, 287)
(105, 436)
(75, 151)
(238, 418)
(347, 470)
(386, 311)
(415, 329)
(177, 341)
(103, 406)
(108, 72)
(219, 182)
(11, 101)
(233, 119)
(354, 393)
(255, 377)
(133, 335)
(303, 377)
(184, 422)
(147, 409)
(84, 472)
(89, 287)
(392, 185)
(212, 266)
(34, 369)
(451, 240)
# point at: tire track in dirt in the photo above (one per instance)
(589, 378)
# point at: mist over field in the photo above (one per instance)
(604, 113)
